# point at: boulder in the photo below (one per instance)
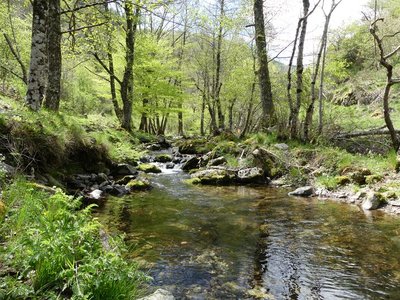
(160, 294)
(170, 165)
(163, 142)
(305, 191)
(95, 195)
(138, 185)
(215, 176)
(7, 169)
(117, 190)
(251, 175)
(217, 161)
(163, 158)
(124, 169)
(357, 175)
(191, 163)
(149, 168)
(373, 201)
(267, 161)
(342, 180)
(124, 180)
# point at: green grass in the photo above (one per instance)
(55, 250)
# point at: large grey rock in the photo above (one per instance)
(160, 294)
(305, 191)
(124, 169)
(215, 176)
(251, 175)
(191, 163)
(372, 201)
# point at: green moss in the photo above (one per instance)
(342, 180)
(163, 158)
(327, 181)
(370, 179)
(193, 181)
(149, 168)
(138, 185)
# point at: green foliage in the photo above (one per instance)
(57, 249)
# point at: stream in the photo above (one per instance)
(242, 242)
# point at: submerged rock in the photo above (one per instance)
(305, 191)
(160, 294)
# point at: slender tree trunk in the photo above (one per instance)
(127, 82)
(232, 104)
(203, 108)
(113, 90)
(384, 57)
(299, 72)
(265, 81)
(218, 84)
(53, 91)
(38, 65)
(289, 72)
(321, 93)
(143, 121)
(324, 39)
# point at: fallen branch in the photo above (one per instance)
(364, 133)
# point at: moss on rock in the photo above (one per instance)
(149, 168)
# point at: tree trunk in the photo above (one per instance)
(203, 108)
(53, 92)
(265, 81)
(299, 71)
(38, 65)
(324, 39)
(113, 90)
(384, 57)
(321, 93)
(127, 82)
(218, 84)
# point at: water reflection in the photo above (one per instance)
(222, 242)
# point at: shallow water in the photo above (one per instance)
(234, 242)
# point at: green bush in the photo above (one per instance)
(56, 250)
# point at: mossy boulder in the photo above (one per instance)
(371, 179)
(149, 168)
(163, 158)
(194, 180)
(342, 180)
(195, 146)
(373, 201)
(357, 175)
(215, 176)
(138, 185)
(267, 161)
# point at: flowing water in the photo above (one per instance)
(205, 242)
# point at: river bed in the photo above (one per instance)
(243, 242)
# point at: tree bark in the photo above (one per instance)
(263, 73)
(384, 61)
(299, 72)
(218, 70)
(38, 64)
(324, 39)
(53, 91)
(127, 81)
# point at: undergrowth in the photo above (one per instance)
(53, 250)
